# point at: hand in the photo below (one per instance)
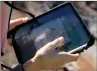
(14, 23)
(47, 58)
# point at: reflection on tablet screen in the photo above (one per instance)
(48, 32)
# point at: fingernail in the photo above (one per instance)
(26, 18)
(61, 39)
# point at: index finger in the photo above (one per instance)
(52, 45)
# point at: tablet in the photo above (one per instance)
(60, 21)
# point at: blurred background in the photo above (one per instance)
(87, 11)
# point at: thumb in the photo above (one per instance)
(67, 57)
(14, 23)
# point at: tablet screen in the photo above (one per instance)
(63, 21)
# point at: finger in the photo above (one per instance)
(14, 23)
(61, 58)
(52, 45)
(9, 41)
(68, 57)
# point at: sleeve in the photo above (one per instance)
(18, 68)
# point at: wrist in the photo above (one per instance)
(31, 65)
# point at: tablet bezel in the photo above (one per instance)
(13, 31)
